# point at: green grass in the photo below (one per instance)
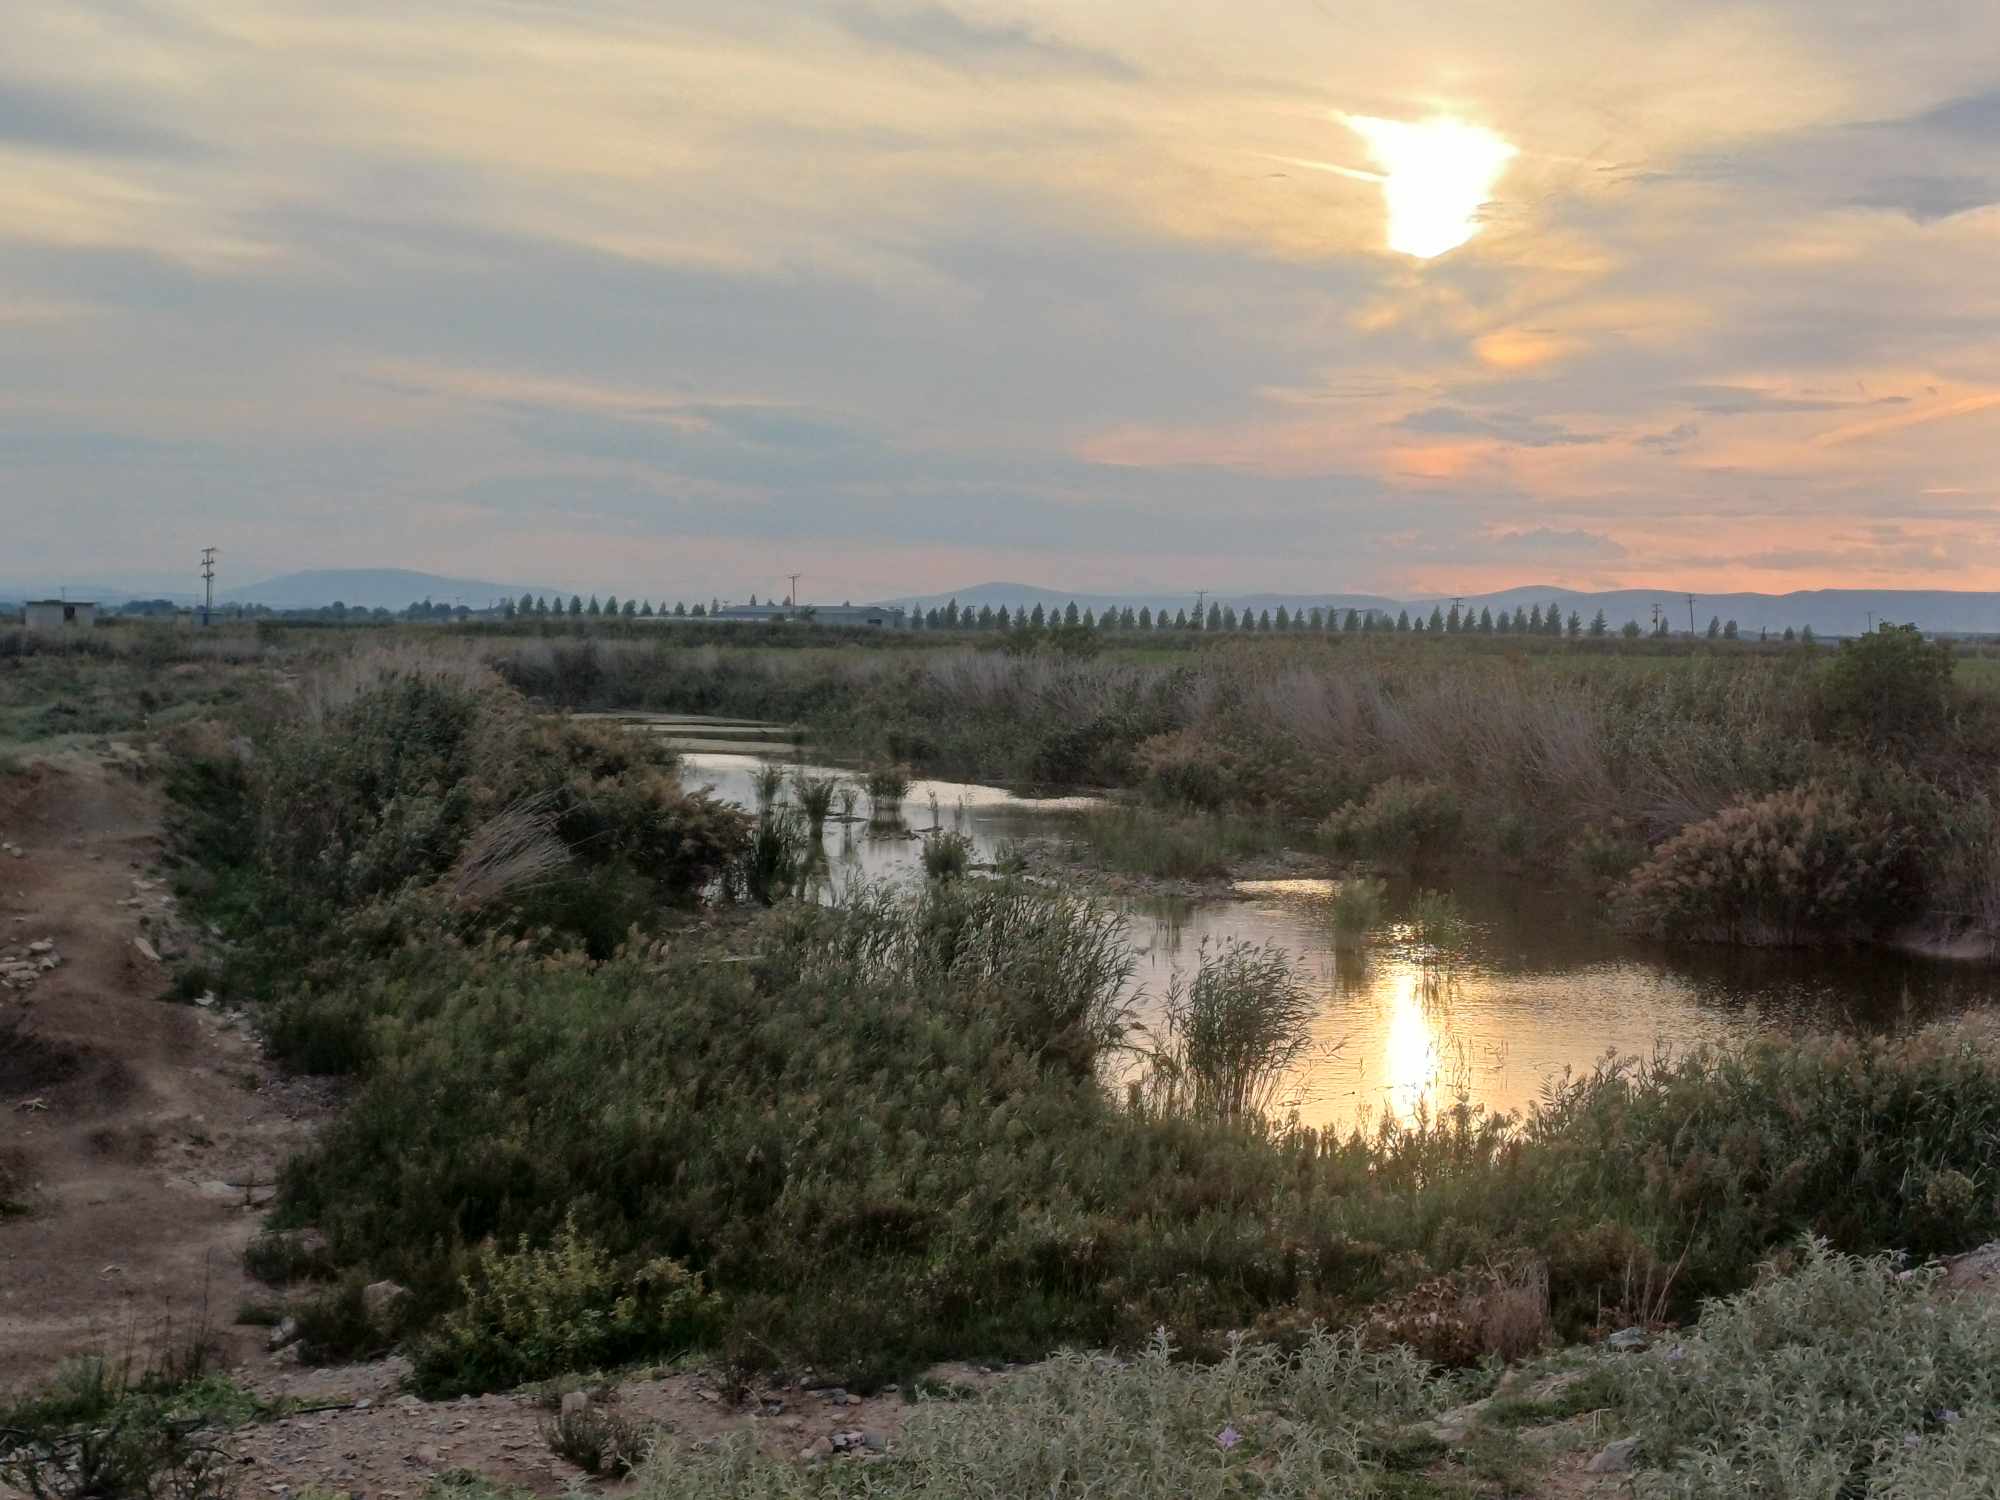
(1171, 846)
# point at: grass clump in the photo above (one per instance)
(947, 855)
(888, 786)
(1172, 846)
(767, 782)
(1256, 1422)
(1357, 907)
(597, 1441)
(815, 795)
(1233, 1032)
(780, 855)
(100, 1429)
(527, 1314)
(1844, 1377)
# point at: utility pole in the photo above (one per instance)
(1200, 598)
(207, 583)
(794, 599)
(1690, 616)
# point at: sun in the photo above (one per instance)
(1437, 174)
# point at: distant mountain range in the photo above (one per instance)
(1827, 611)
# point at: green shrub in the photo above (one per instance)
(597, 1441)
(887, 787)
(947, 855)
(1890, 685)
(1257, 1422)
(1403, 821)
(528, 1314)
(1844, 1377)
(1233, 1032)
(1357, 907)
(1795, 866)
(779, 855)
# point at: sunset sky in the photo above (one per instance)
(675, 298)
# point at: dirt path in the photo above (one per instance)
(145, 1126)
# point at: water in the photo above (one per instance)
(1539, 985)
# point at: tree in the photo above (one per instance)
(951, 615)
(1504, 624)
(1453, 622)
(1439, 622)
(1575, 625)
(1037, 619)
(1806, 636)
(1001, 621)
(933, 618)
(631, 609)
(1318, 619)
(699, 612)
(1284, 621)
(1715, 627)
(1535, 621)
(681, 609)
(1214, 618)
(1552, 622)
(1353, 621)
(1790, 634)
(1630, 630)
(1089, 620)
(1145, 617)
(1599, 626)
(576, 604)
(1729, 630)
(1070, 616)
(985, 620)
(1485, 621)
(611, 606)
(1403, 621)
(1264, 620)
(527, 604)
(646, 610)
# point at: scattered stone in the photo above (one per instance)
(1628, 1340)
(1616, 1459)
(874, 1441)
(42, 945)
(383, 1302)
(853, 1400)
(575, 1405)
(822, 1447)
(146, 950)
(285, 1333)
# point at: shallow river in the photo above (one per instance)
(1539, 986)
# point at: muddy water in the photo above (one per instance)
(1538, 985)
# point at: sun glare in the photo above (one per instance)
(1436, 176)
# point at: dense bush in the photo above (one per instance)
(1848, 1377)
(1888, 685)
(528, 1313)
(1796, 866)
(1406, 821)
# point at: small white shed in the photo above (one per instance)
(60, 614)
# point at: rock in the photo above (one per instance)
(206, 1000)
(383, 1302)
(575, 1405)
(1616, 1459)
(874, 1441)
(853, 1400)
(1628, 1340)
(42, 945)
(146, 950)
(822, 1447)
(285, 1333)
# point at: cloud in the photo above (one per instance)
(945, 35)
(1545, 542)
(48, 119)
(1527, 432)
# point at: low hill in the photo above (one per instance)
(371, 588)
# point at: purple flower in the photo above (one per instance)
(1947, 1415)
(1911, 1440)
(1229, 1437)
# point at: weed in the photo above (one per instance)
(1402, 820)
(887, 787)
(1233, 1033)
(1356, 910)
(848, 795)
(767, 781)
(597, 1441)
(815, 796)
(947, 855)
(779, 856)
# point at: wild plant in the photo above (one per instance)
(848, 795)
(1356, 910)
(1233, 1034)
(1438, 923)
(887, 787)
(814, 795)
(767, 781)
(779, 855)
(947, 855)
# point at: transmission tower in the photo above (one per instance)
(207, 583)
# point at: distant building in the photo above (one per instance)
(59, 614)
(882, 616)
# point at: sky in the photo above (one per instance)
(676, 298)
